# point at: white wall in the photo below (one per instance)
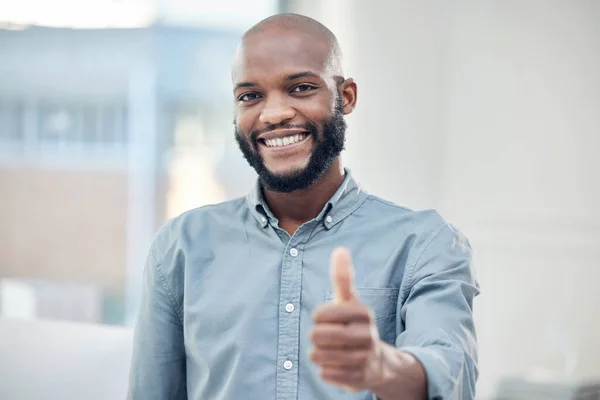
(490, 112)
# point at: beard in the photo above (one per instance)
(328, 143)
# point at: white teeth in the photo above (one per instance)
(286, 141)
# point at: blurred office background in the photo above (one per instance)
(115, 115)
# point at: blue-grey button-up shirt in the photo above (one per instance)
(228, 296)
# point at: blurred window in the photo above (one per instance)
(11, 121)
(87, 125)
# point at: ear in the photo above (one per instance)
(349, 92)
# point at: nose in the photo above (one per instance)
(276, 111)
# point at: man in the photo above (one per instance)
(239, 301)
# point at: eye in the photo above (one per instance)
(303, 88)
(249, 96)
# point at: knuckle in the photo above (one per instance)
(361, 358)
(365, 313)
(347, 335)
(320, 313)
(358, 375)
(316, 336)
(364, 339)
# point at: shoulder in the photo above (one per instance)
(195, 223)
(436, 249)
(427, 230)
(423, 222)
(182, 237)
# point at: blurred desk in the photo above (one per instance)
(63, 360)
(521, 389)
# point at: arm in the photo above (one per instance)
(439, 328)
(158, 368)
(434, 358)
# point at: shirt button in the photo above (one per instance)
(328, 219)
(289, 307)
(293, 252)
(287, 364)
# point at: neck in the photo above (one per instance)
(300, 206)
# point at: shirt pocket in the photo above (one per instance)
(383, 302)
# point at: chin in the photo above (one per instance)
(287, 171)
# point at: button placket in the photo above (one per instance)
(289, 317)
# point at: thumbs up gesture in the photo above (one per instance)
(347, 345)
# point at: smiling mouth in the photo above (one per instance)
(284, 141)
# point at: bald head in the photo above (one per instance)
(300, 24)
(301, 31)
(293, 22)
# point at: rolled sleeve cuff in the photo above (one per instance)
(441, 385)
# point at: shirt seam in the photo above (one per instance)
(163, 281)
(409, 275)
(387, 203)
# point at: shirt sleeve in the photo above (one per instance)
(437, 313)
(158, 369)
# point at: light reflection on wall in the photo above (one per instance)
(79, 14)
(192, 177)
(134, 13)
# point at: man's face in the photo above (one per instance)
(289, 113)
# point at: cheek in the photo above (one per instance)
(316, 114)
(318, 110)
(247, 120)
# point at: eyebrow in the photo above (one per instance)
(292, 77)
(301, 75)
(244, 84)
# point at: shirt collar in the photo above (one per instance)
(349, 196)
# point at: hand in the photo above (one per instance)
(347, 345)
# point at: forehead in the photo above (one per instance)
(273, 55)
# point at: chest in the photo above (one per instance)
(250, 283)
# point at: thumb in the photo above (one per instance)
(342, 276)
